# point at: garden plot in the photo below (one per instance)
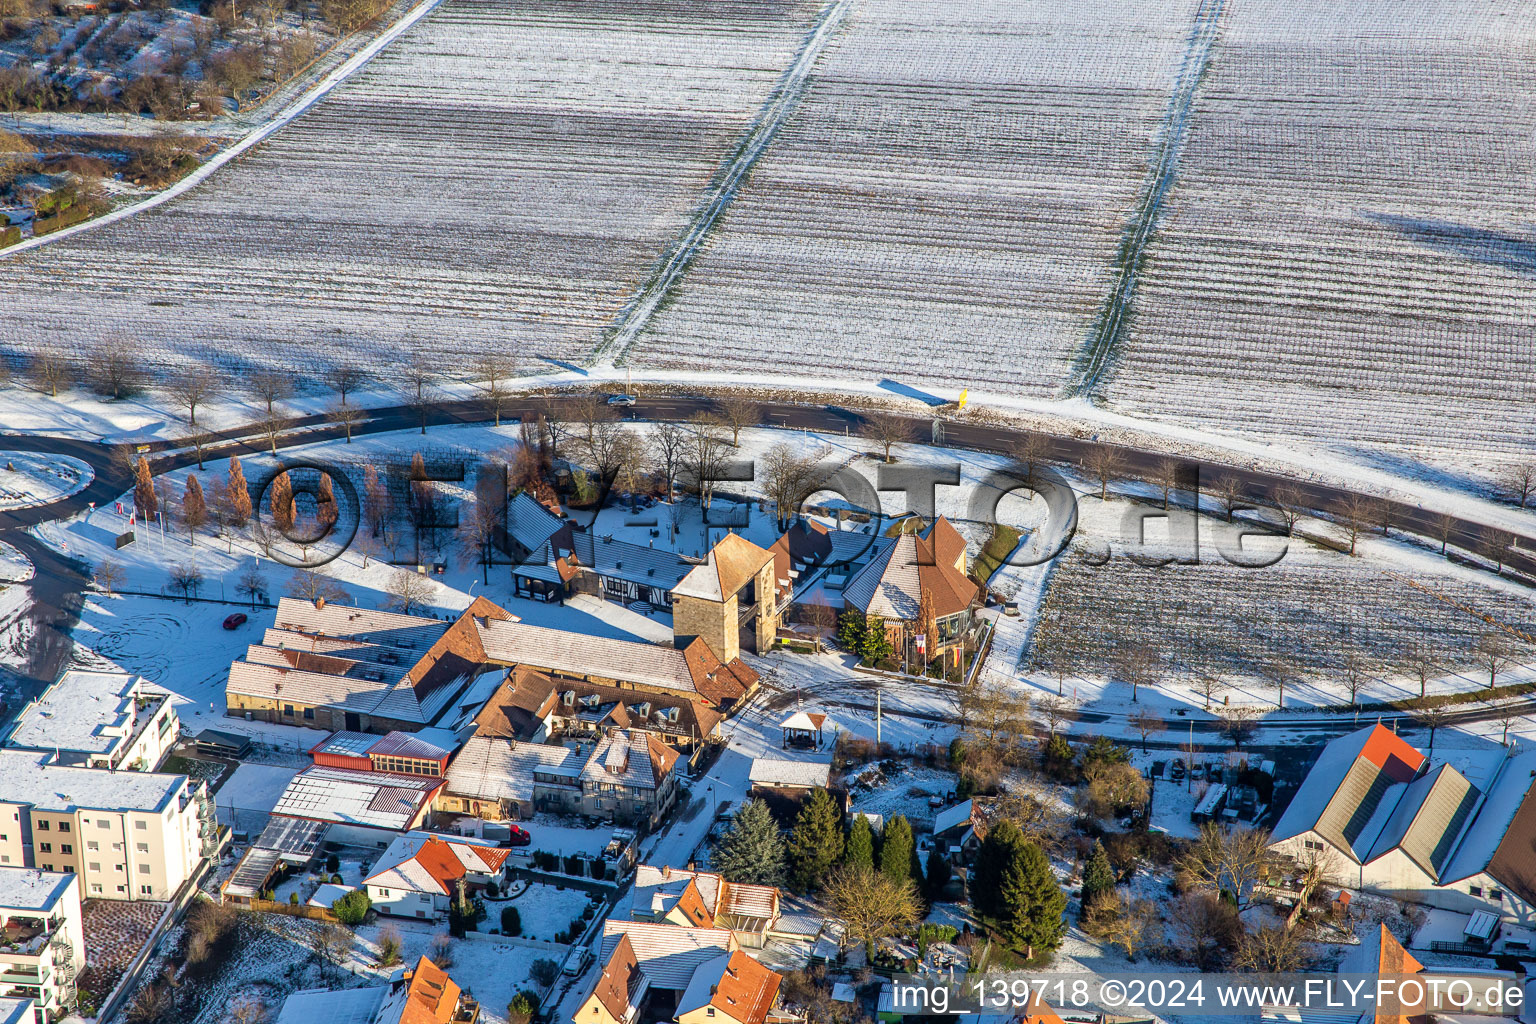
(956, 175)
(503, 170)
(542, 910)
(1346, 256)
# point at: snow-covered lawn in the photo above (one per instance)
(15, 567)
(252, 787)
(543, 910)
(36, 478)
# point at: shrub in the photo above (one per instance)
(573, 865)
(599, 870)
(511, 921)
(336, 879)
(293, 899)
(544, 972)
(9, 236)
(351, 908)
(441, 951)
(389, 947)
(333, 863)
(492, 889)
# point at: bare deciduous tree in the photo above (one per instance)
(1104, 464)
(1138, 665)
(1272, 950)
(418, 387)
(329, 944)
(483, 519)
(194, 386)
(737, 412)
(1496, 546)
(116, 367)
(51, 370)
(270, 387)
(1444, 526)
(1421, 664)
(871, 903)
(1228, 491)
(1146, 723)
(410, 590)
(186, 578)
(1166, 476)
(1225, 862)
(1522, 481)
(789, 476)
(344, 378)
(494, 370)
(1495, 654)
(1357, 515)
(1506, 713)
(1432, 718)
(309, 585)
(1208, 685)
(704, 456)
(1028, 454)
(1237, 723)
(668, 443)
(251, 582)
(1291, 504)
(109, 576)
(345, 416)
(1055, 710)
(886, 429)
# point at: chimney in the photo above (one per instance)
(319, 603)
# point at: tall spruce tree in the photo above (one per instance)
(896, 850)
(1098, 876)
(239, 501)
(816, 843)
(752, 850)
(1033, 903)
(861, 844)
(144, 498)
(996, 853)
(939, 874)
(194, 507)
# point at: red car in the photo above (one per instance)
(520, 836)
(234, 621)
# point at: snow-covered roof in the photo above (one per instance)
(666, 953)
(16, 1011)
(582, 654)
(780, 773)
(329, 893)
(736, 985)
(341, 796)
(30, 889)
(89, 712)
(346, 1006)
(656, 889)
(26, 778)
(1508, 796)
(1344, 788)
(804, 722)
(728, 567)
(1426, 819)
(951, 817)
(420, 862)
(630, 757)
(530, 523)
(489, 768)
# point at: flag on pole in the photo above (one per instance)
(963, 396)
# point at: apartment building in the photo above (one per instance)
(42, 945)
(99, 720)
(128, 835)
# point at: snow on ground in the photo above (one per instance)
(556, 834)
(36, 478)
(543, 910)
(15, 567)
(491, 971)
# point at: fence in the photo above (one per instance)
(294, 910)
(558, 949)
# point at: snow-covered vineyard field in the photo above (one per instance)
(1347, 253)
(1309, 614)
(499, 179)
(957, 175)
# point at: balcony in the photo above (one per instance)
(35, 977)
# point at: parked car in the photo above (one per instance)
(234, 621)
(621, 400)
(577, 962)
(520, 836)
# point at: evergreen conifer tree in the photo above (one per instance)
(816, 843)
(752, 851)
(861, 844)
(1098, 876)
(1033, 903)
(896, 850)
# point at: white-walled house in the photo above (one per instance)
(419, 873)
(1376, 815)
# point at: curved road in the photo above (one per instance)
(59, 581)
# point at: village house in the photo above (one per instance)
(626, 775)
(425, 994)
(98, 720)
(532, 706)
(701, 899)
(401, 753)
(667, 954)
(128, 835)
(730, 987)
(419, 874)
(616, 989)
(922, 572)
(42, 944)
(358, 670)
(1373, 813)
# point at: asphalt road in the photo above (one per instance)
(58, 582)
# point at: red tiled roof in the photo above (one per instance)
(717, 682)
(746, 989)
(1392, 754)
(444, 865)
(432, 998)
